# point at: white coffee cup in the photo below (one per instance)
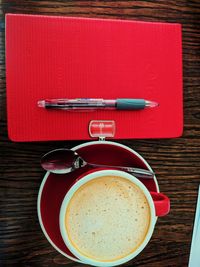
(158, 203)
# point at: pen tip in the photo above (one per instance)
(151, 104)
(41, 103)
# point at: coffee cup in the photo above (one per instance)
(108, 216)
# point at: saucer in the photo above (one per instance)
(55, 186)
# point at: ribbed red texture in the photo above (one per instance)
(62, 57)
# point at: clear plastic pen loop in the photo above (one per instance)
(102, 129)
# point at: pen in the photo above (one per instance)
(93, 104)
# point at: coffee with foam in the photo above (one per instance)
(107, 218)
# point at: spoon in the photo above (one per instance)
(63, 160)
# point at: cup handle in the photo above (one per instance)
(161, 203)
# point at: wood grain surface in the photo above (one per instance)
(175, 161)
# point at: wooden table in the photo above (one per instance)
(175, 161)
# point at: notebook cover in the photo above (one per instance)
(65, 57)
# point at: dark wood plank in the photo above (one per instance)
(176, 161)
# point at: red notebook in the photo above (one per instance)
(65, 57)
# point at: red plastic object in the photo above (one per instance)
(63, 57)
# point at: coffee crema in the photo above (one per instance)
(107, 218)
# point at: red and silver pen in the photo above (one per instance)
(93, 104)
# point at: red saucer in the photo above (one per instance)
(55, 186)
